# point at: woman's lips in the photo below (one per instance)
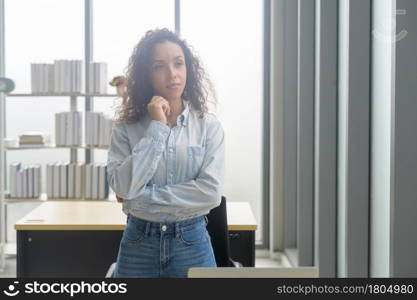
(173, 86)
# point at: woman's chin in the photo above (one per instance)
(173, 95)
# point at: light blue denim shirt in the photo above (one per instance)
(168, 174)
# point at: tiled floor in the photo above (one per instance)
(260, 261)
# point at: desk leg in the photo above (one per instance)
(20, 254)
(242, 247)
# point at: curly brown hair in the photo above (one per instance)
(198, 87)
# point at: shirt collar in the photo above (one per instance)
(183, 117)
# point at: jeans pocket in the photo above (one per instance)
(134, 233)
(194, 235)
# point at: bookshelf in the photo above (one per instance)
(73, 149)
(7, 248)
(87, 97)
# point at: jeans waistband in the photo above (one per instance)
(167, 227)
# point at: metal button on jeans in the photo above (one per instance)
(164, 227)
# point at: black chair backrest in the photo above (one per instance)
(219, 233)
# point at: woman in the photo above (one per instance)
(166, 161)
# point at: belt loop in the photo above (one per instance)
(177, 229)
(147, 229)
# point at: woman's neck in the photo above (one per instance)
(177, 108)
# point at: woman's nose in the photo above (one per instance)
(172, 72)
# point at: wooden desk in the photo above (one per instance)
(82, 238)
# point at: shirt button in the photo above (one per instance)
(164, 227)
(170, 149)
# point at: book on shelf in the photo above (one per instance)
(98, 78)
(71, 180)
(75, 130)
(87, 131)
(65, 138)
(68, 128)
(79, 180)
(101, 132)
(62, 129)
(56, 175)
(63, 76)
(77, 127)
(94, 181)
(24, 181)
(63, 178)
(31, 178)
(14, 169)
(88, 177)
(101, 181)
(57, 129)
(19, 181)
(108, 129)
(42, 78)
(49, 178)
(96, 128)
(37, 181)
(34, 138)
(103, 82)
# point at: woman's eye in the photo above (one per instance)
(179, 63)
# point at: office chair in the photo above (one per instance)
(217, 228)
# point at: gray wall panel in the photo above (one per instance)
(290, 124)
(353, 138)
(403, 254)
(305, 131)
(325, 137)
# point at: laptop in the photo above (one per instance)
(253, 272)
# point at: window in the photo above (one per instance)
(227, 35)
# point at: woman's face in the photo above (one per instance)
(168, 71)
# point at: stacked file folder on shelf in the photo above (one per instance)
(25, 180)
(76, 180)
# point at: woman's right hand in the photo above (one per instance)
(159, 109)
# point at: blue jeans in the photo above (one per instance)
(150, 249)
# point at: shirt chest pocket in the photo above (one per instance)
(195, 156)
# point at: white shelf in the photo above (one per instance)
(53, 146)
(61, 95)
(44, 197)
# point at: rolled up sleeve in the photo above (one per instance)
(129, 170)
